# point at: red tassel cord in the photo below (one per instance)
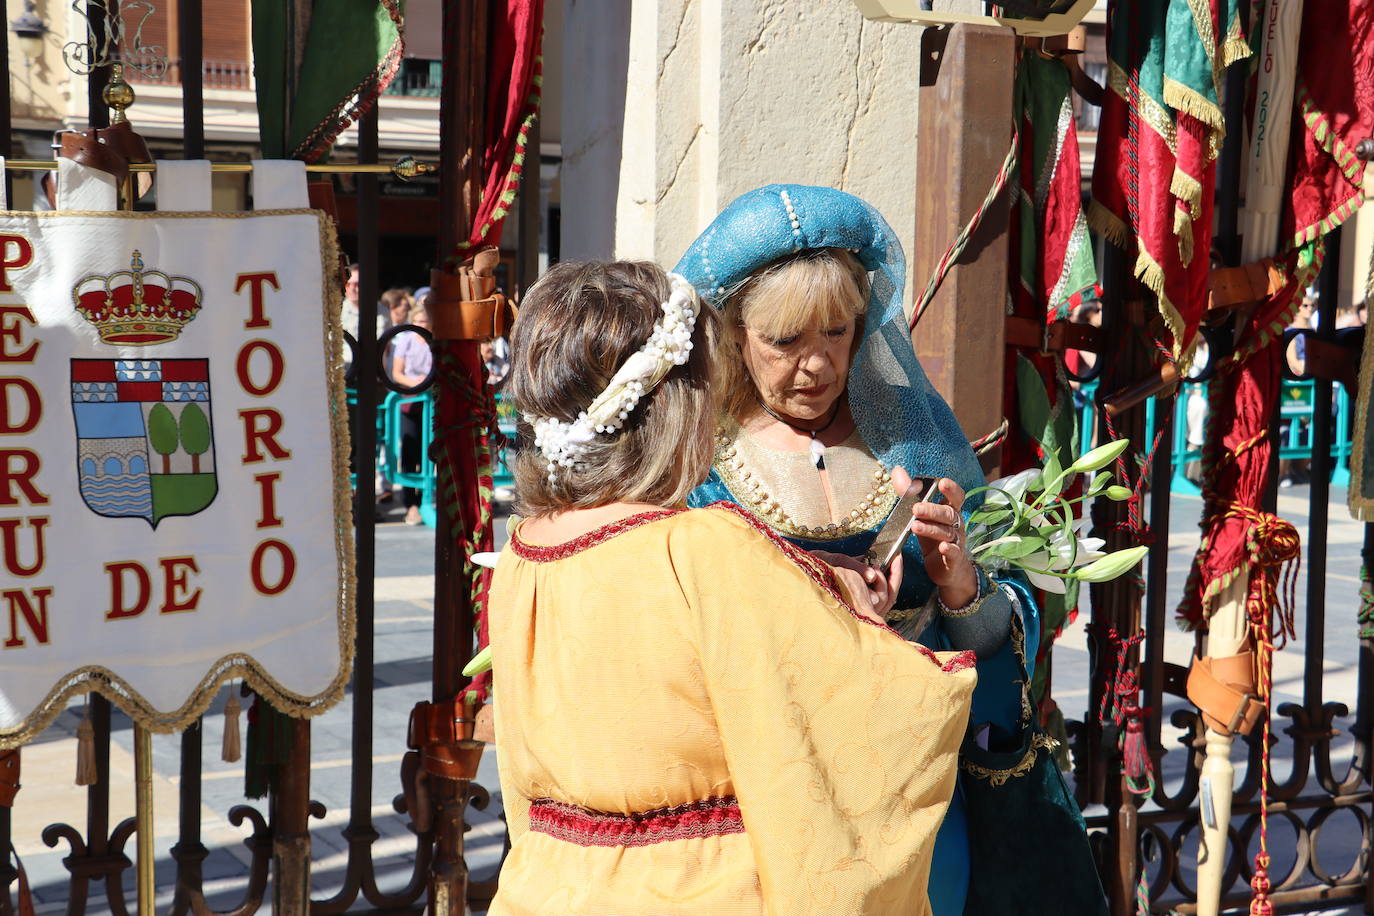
(1121, 707)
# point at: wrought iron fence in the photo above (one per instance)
(1330, 775)
(278, 840)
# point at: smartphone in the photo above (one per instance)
(892, 536)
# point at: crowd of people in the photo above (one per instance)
(406, 362)
(765, 719)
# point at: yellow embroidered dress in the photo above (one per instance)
(692, 720)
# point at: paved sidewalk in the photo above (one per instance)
(404, 621)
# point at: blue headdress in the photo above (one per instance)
(901, 418)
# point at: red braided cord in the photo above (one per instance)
(1120, 706)
(1260, 904)
(956, 248)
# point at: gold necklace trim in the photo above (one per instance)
(1000, 777)
(749, 489)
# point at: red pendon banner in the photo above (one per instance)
(174, 481)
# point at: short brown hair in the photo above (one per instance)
(396, 296)
(809, 288)
(577, 326)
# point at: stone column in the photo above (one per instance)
(672, 108)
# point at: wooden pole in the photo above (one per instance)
(462, 98)
(964, 123)
(1228, 629)
(143, 817)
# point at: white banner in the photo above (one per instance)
(174, 497)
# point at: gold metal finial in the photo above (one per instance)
(118, 94)
(407, 167)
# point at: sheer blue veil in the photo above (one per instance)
(901, 418)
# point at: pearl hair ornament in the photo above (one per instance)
(669, 345)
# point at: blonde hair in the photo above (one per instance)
(577, 326)
(813, 288)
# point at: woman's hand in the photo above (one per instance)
(861, 581)
(940, 529)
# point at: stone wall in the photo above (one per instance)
(721, 96)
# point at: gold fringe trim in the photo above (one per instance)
(1148, 271)
(1156, 116)
(1234, 47)
(1362, 506)
(1108, 225)
(1000, 777)
(1181, 97)
(1201, 11)
(1187, 189)
(1183, 231)
(99, 679)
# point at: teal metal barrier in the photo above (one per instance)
(390, 442)
(389, 445)
(1295, 407)
(502, 476)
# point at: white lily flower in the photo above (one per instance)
(1015, 487)
(1046, 583)
(1065, 553)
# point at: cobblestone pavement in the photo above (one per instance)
(404, 614)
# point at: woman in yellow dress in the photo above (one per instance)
(669, 743)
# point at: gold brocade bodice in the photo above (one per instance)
(785, 489)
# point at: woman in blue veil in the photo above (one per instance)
(776, 262)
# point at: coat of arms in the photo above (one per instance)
(145, 440)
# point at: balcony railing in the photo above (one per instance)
(216, 74)
(417, 77)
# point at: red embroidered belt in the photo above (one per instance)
(710, 817)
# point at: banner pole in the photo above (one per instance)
(143, 816)
(405, 168)
(1228, 630)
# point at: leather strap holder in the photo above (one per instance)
(108, 149)
(9, 777)
(1034, 334)
(443, 734)
(466, 305)
(1222, 690)
(1329, 360)
(1247, 285)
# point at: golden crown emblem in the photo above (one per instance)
(137, 307)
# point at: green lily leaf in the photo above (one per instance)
(1026, 545)
(1052, 477)
(1100, 481)
(990, 516)
(1034, 404)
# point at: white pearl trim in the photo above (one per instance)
(669, 345)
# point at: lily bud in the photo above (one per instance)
(1099, 457)
(1112, 565)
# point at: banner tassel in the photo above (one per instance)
(232, 748)
(85, 750)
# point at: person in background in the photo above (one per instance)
(1353, 317)
(398, 304)
(348, 312)
(496, 357)
(1297, 470)
(410, 364)
(1196, 411)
